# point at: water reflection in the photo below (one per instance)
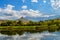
(33, 36)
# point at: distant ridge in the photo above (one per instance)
(34, 19)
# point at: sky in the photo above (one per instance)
(15, 9)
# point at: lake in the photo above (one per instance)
(33, 36)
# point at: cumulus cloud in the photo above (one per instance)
(24, 7)
(23, 1)
(34, 1)
(9, 7)
(55, 4)
(48, 15)
(44, 1)
(9, 13)
(33, 13)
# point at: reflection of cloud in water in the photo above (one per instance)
(33, 36)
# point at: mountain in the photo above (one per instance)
(23, 19)
(43, 18)
(37, 18)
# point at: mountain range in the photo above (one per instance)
(39, 18)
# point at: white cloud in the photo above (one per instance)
(31, 13)
(44, 1)
(24, 7)
(9, 7)
(9, 13)
(55, 4)
(34, 1)
(23, 1)
(47, 15)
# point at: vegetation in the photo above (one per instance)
(10, 27)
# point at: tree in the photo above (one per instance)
(19, 23)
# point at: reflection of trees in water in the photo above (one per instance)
(33, 36)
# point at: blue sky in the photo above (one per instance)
(14, 9)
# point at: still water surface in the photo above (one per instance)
(33, 36)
